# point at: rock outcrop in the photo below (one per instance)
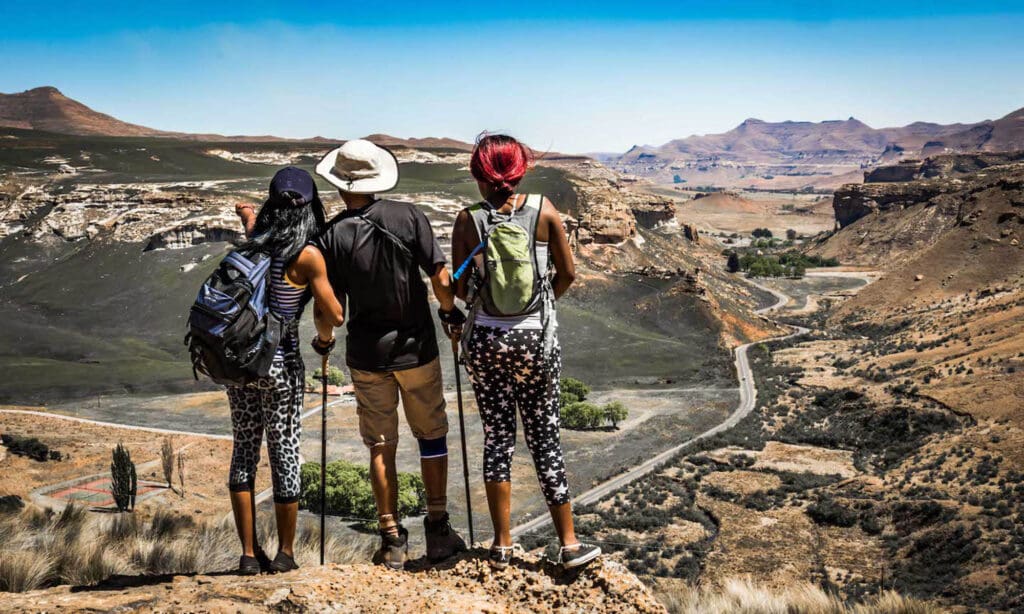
(467, 585)
(886, 224)
(854, 201)
(160, 219)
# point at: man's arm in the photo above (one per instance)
(441, 281)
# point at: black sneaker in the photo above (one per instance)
(442, 540)
(500, 557)
(248, 565)
(394, 549)
(577, 554)
(282, 563)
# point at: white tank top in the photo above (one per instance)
(527, 322)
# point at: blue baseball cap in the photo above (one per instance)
(295, 181)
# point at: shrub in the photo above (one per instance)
(30, 447)
(762, 233)
(733, 264)
(167, 460)
(615, 412)
(335, 376)
(575, 387)
(828, 512)
(582, 415)
(350, 494)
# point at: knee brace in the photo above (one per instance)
(433, 448)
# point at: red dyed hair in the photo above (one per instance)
(501, 162)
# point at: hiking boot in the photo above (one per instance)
(577, 554)
(394, 549)
(500, 557)
(442, 540)
(282, 563)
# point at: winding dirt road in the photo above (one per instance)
(748, 400)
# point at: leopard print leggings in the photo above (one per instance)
(272, 404)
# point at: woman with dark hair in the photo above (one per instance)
(509, 242)
(290, 218)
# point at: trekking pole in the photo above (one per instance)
(323, 458)
(462, 436)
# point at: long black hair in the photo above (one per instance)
(285, 224)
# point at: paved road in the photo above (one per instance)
(748, 400)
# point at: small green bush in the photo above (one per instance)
(335, 376)
(575, 387)
(350, 494)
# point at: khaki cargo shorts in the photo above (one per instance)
(422, 396)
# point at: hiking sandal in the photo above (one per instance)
(500, 556)
(577, 554)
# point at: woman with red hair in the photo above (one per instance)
(514, 251)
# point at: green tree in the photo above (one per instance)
(575, 387)
(123, 481)
(615, 412)
(791, 234)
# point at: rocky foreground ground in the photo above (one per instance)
(465, 585)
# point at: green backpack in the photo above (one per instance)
(510, 283)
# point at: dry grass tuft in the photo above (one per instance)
(745, 597)
(40, 548)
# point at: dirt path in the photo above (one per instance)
(748, 400)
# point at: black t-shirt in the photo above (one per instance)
(390, 326)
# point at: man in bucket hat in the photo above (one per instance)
(375, 251)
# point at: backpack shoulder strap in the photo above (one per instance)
(399, 243)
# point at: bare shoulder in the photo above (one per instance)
(549, 211)
(308, 260)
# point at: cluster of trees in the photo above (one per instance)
(350, 494)
(788, 264)
(577, 413)
(762, 233)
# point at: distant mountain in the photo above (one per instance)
(47, 109)
(430, 142)
(794, 155)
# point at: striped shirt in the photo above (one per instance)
(285, 299)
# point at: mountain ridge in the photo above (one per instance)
(47, 109)
(800, 154)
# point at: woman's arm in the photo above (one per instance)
(310, 268)
(558, 245)
(463, 241)
(247, 213)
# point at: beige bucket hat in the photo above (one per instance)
(360, 167)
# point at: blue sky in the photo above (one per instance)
(569, 76)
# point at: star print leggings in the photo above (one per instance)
(509, 371)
